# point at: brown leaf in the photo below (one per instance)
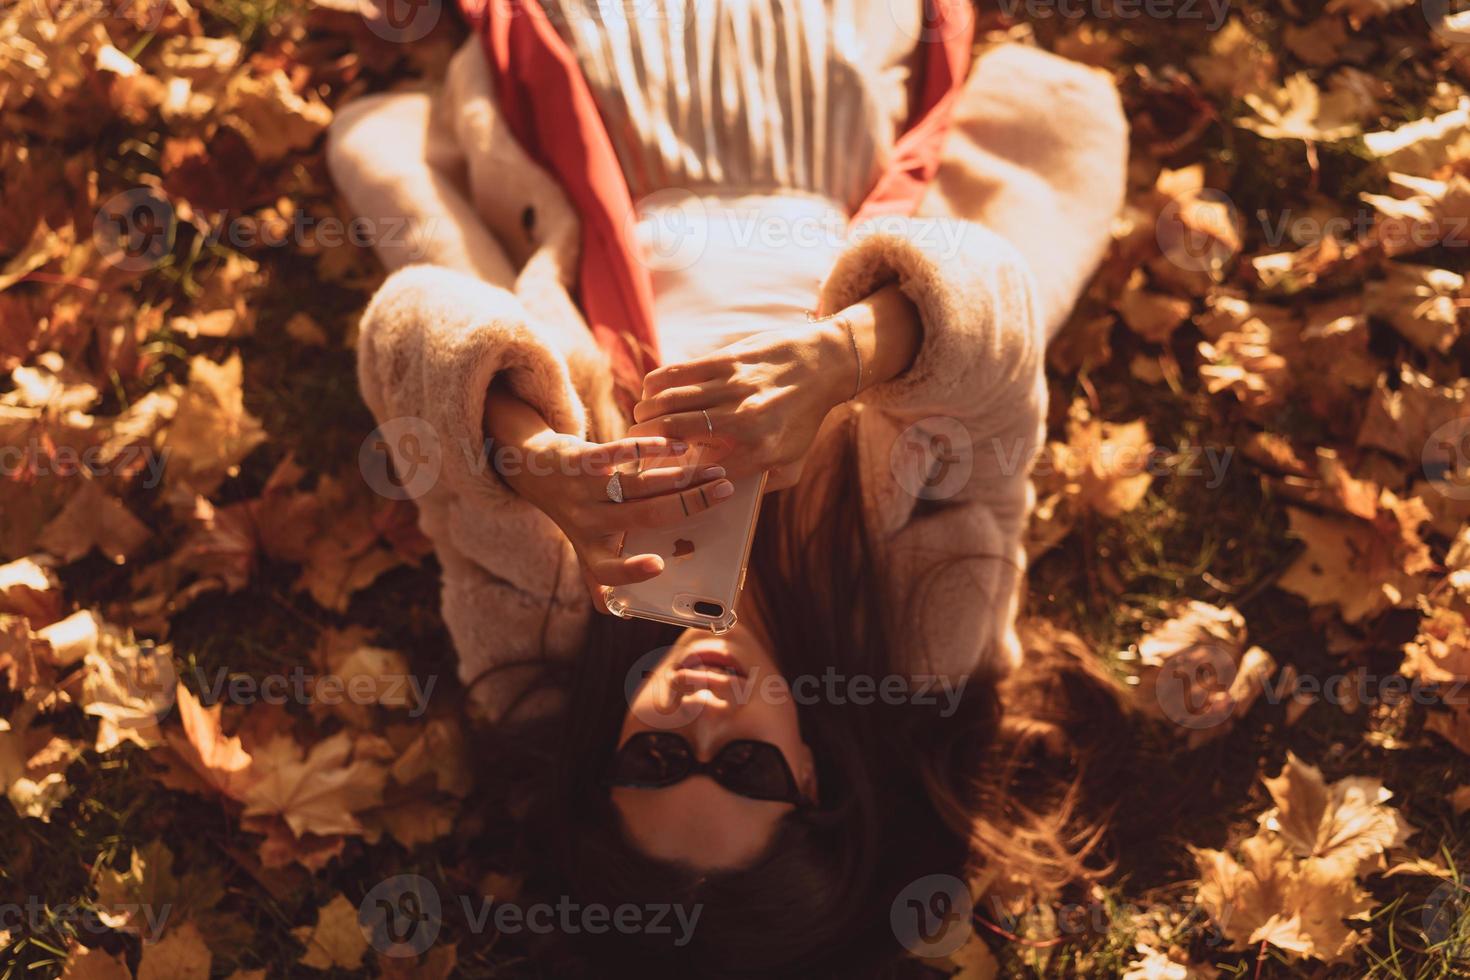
(1103, 468)
(94, 518)
(1420, 302)
(1346, 825)
(212, 432)
(1298, 110)
(1296, 905)
(127, 686)
(1195, 670)
(320, 792)
(216, 762)
(271, 116)
(1153, 316)
(437, 964)
(33, 765)
(94, 964)
(337, 940)
(29, 588)
(1362, 567)
(180, 955)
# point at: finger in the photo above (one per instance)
(688, 373)
(667, 479)
(615, 570)
(671, 508)
(702, 428)
(594, 589)
(601, 459)
(685, 398)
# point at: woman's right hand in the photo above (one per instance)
(566, 478)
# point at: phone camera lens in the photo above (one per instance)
(710, 609)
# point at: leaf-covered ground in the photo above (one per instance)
(216, 640)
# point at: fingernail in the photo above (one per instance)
(722, 490)
(678, 447)
(711, 472)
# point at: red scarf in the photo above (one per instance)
(546, 102)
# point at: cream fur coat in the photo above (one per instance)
(1016, 220)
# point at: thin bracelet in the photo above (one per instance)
(857, 388)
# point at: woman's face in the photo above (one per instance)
(712, 690)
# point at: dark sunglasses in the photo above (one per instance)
(652, 760)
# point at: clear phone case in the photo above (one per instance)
(704, 564)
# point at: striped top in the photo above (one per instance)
(747, 95)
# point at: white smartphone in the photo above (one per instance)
(704, 564)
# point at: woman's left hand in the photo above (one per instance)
(756, 404)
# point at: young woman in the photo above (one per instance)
(632, 250)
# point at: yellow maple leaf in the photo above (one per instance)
(320, 792)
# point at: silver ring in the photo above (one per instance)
(707, 423)
(615, 488)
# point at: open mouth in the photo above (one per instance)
(714, 662)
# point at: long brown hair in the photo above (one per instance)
(998, 787)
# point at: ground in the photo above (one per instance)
(1251, 506)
